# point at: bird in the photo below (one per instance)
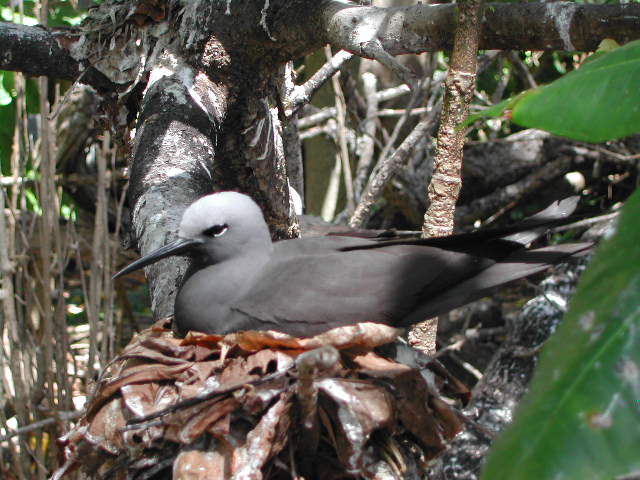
(239, 279)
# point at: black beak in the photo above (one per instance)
(178, 247)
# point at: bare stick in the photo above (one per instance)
(301, 95)
(343, 150)
(446, 179)
(391, 165)
(39, 425)
(366, 143)
(505, 199)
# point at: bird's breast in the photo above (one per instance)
(204, 302)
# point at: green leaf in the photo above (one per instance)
(5, 96)
(497, 110)
(581, 418)
(596, 103)
(8, 14)
(33, 203)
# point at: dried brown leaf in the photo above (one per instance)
(432, 428)
(187, 424)
(105, 430)
(374, 365)
(264, 441)
(365, 335)
(144, 373)
(360, 408)
(201, 465)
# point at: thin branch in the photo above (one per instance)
(302, 94)
(39, 425)
(446, 179)
(397, 112)
(391, 165)
(523, 69)
(343, 150)
(366, 143)
(415, 99)
(506, 198)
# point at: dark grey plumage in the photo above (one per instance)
(240, 280)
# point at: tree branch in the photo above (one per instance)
(172, 165)
(301, 27)
(523, 26)
(37, 51)
(446, 180)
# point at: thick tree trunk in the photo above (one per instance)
(172, 164)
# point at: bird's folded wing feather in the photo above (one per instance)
(307, 294)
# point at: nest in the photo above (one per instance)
(266, 405)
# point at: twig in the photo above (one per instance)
(382, 96)
(398, 127)
(379, 180)
(506, 198)
(397, 112)
(317, 117)
(524, 70)
(39, 425)
(446, 180)
(135, 422)
(309, 365)
(343, 150)
(466, 365)
(302, 94)
(65, 99)
(316, 131)
(366, 143)
(469, 334)
(374, 49)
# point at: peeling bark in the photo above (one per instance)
(38, 51)
(446, 179)
(172, 166)
(302, 26)
(523, 26)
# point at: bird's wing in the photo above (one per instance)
(519, 264)
(496, 243)
(310, 293)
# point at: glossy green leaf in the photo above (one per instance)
(581, 418)
(598, 102)
(497, 110)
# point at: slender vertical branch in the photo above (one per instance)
(446, 180)
(366, 143)
(387, 169)
(343, 149)
(50, 253)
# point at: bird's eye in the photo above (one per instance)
(216, 230)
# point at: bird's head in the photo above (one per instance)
(214, 228)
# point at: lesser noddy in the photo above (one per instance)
(240, 280)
